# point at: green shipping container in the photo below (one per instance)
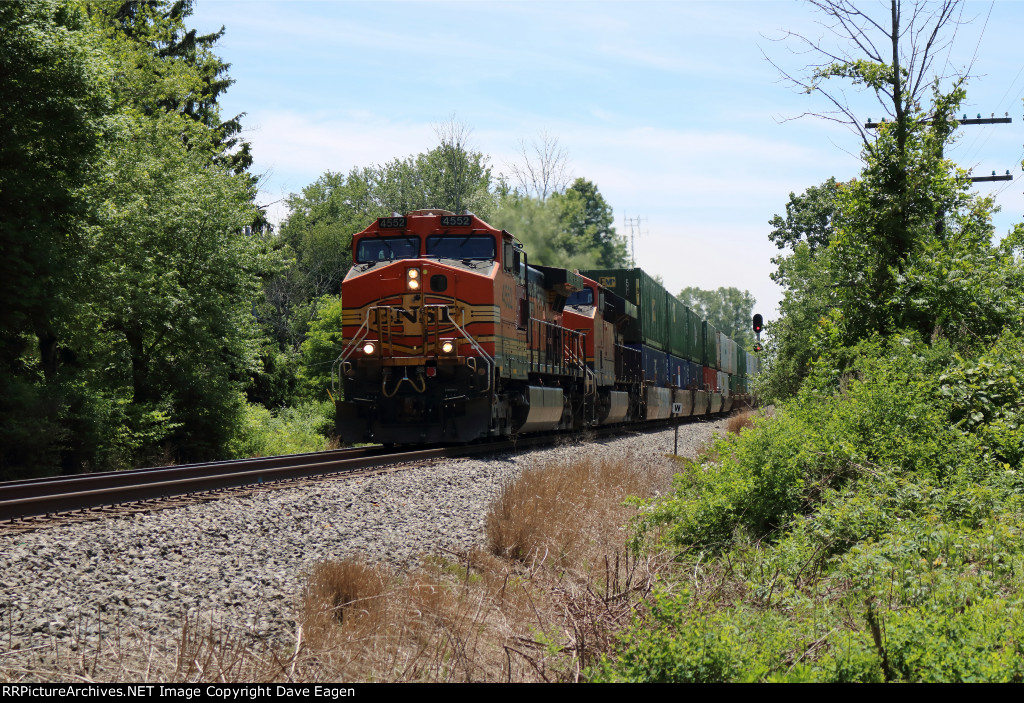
(679, 342)
(710, 346)
(652, 322)
(696, 335)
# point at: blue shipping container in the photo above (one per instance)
(654, 364)
(678, 371)
(695, 378)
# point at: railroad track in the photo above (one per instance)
(31, 499)
(33, 503)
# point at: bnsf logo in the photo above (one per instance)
(430, 315)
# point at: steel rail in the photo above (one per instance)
(40, 497)
(34, 498)
(10, 490)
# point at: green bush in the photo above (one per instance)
(872, 530)
(304, 428)
(987, 398)
(875, 424)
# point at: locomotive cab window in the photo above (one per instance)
(507, 256)
(585, 296)
(372, 250)
(474, 246)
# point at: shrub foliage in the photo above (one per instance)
(870, 531)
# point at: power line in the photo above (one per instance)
(979, 120)
(999, 105)
(633, 223)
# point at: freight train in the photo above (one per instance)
(451, 335)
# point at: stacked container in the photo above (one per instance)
(678, 327)
(652, 322)
(710, 334)
(696, 337)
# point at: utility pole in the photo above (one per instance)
(633, 223)
(940, 221)
(1006, 119)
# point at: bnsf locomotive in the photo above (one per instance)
(450, 335)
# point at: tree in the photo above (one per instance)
(538, 224)
(859, 249)
(54, 102)
(457, 171)
(586, 220)
(165, 322)
(892, 56)
(952, 282)
(158, 337)
(543, 169)
(448, 177)
(161, 26)
(809, 218)
(728, 309)
(321, 348)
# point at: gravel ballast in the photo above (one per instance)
(241, 561)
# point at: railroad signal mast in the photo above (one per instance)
(758, 326)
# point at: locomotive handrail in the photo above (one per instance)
(360, 335)
(576, 354)
(347, 351)
(480, 350)
(551, 343)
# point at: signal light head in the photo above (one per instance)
(758, 323)
(758, 348)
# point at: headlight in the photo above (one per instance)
(369, 348)
(447, 347)
(412, 279)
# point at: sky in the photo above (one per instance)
(672, 109)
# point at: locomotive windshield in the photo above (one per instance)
(387, 249)
(474, 246)
(581, 297)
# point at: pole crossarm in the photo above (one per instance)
(973, 120)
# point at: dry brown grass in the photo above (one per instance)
(566, 516)
(540, 604)
(741, 420)
(203, 652)
(428, 625)
(745, 418)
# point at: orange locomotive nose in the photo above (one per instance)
(425, 296)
